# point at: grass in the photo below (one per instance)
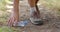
(4, 14)
(5, 29)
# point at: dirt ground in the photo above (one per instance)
(50, 17)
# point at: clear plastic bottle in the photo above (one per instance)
(22, 23)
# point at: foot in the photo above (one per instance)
(35, 18)
(36, 21)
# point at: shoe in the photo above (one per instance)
(36, 21)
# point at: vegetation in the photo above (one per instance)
(4, 15)
(3, 4)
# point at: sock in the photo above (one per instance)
(32, 9)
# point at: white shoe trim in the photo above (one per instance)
(32, 20)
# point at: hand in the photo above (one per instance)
(12, 20)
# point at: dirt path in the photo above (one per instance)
(51, 22)
(51, 19)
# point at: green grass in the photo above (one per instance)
(3, 4)
(5, 29)
(4, 14)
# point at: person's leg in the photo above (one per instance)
(34, 12)
(33, 6)
(15, 13)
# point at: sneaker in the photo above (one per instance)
(36, 21)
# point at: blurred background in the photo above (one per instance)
(49, 9)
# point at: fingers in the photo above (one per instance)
(11, 21)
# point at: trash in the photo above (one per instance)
(22, 23)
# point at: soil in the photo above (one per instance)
(50, 17)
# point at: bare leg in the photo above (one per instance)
(33, 5)
(15, 13)
(35, 14)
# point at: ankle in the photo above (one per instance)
(32, 10)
